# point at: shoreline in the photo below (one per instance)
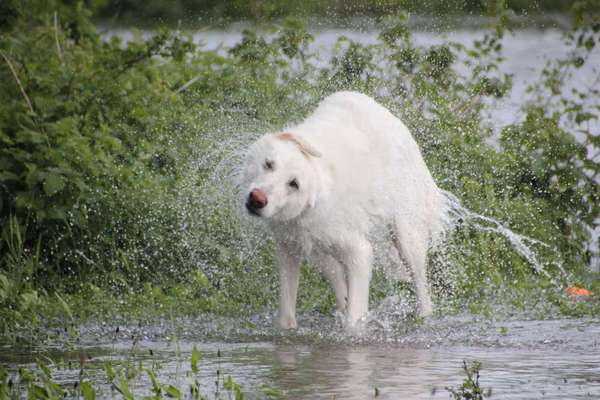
(416, 23)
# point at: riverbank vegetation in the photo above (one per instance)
(115, 160)
(263, 11)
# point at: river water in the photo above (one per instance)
(520, 359)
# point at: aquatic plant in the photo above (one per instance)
(470, 388)
(125, 378)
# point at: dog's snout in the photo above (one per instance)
(257, 199)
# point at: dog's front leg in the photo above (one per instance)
(289, 275)
(334, 273)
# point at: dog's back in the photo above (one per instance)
(375, 164)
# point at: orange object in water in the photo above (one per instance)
(575, 291)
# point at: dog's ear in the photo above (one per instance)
(306, 148)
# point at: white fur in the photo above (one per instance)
(363, 169)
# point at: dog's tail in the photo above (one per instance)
(443, 221)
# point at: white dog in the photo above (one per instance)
(321, 186)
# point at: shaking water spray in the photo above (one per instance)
(521, 244)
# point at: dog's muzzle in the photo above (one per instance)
(257, 200)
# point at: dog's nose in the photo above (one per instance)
(257, 199)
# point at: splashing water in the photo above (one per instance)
(247, 241)
(520, 243)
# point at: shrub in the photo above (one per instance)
(116, 158)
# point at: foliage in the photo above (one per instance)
(115, 158)
(264, 10)
(469, 389)
(78, 128)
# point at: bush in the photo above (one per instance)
(116, 159)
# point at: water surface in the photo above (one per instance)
(553, 359)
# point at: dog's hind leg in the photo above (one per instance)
(357, 258)
(334, 273)
(412, 249)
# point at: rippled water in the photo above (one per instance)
(554, 359)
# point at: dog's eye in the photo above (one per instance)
(269, 165)
(294, 184)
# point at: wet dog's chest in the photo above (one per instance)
(311, 244)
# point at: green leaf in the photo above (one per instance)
(195, 358)
(5, 138)
(88, 391)
(58, 213)
(38, 392)
(3, 281)
(173, 392)
(123, 388)
(110, 374)
(45, 370)
(28, 299)
(589, 43)
(26, 376)
(156, 387)
(53, 184)
(64, 306)
(239, 395)
(271, 391)
(30, 137)
(4, 388)
(227, 383)
(584, 116)
(6, 176)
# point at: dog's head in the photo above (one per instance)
(280, 178)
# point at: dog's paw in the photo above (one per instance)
(356, 328)
(339, 318)
(283, 322)
(425, 310)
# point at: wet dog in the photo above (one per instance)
(322, 186)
